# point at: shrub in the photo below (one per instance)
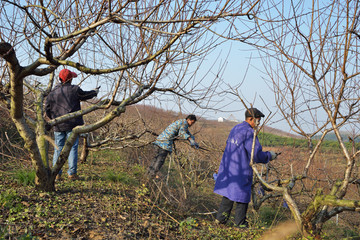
(122, 177)
(25, 177)
(269, 215)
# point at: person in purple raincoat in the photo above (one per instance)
(235, 174)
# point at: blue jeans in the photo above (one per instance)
(60, 138)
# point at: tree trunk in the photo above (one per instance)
(84, 151)
(45, 182)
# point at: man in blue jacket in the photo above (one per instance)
(63, 99)
(164, 142)
(235, 174)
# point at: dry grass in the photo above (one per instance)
(282, 231)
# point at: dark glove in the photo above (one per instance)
(47, 127)
(193, 143)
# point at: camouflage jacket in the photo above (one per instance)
(179, 128)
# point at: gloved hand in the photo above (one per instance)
(97, 90)
(193, 143)
(47, 127)
(273, 155)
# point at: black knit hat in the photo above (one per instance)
(253, 112)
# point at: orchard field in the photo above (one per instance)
(115, 200)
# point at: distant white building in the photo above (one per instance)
(231, 118)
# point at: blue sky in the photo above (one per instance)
(254, 88)
(242, 66)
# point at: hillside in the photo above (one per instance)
(115, 200)
(281, 133)
(344, 135)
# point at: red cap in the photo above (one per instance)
(66, 75)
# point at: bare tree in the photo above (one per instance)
(310, 51)
(133, 49)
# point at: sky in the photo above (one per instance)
(243, 66)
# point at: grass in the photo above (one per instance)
(270, 216)
(106, 204)
(272, 140)
(8, 198)
(25, 177)
(114, 200)
(121, 177)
